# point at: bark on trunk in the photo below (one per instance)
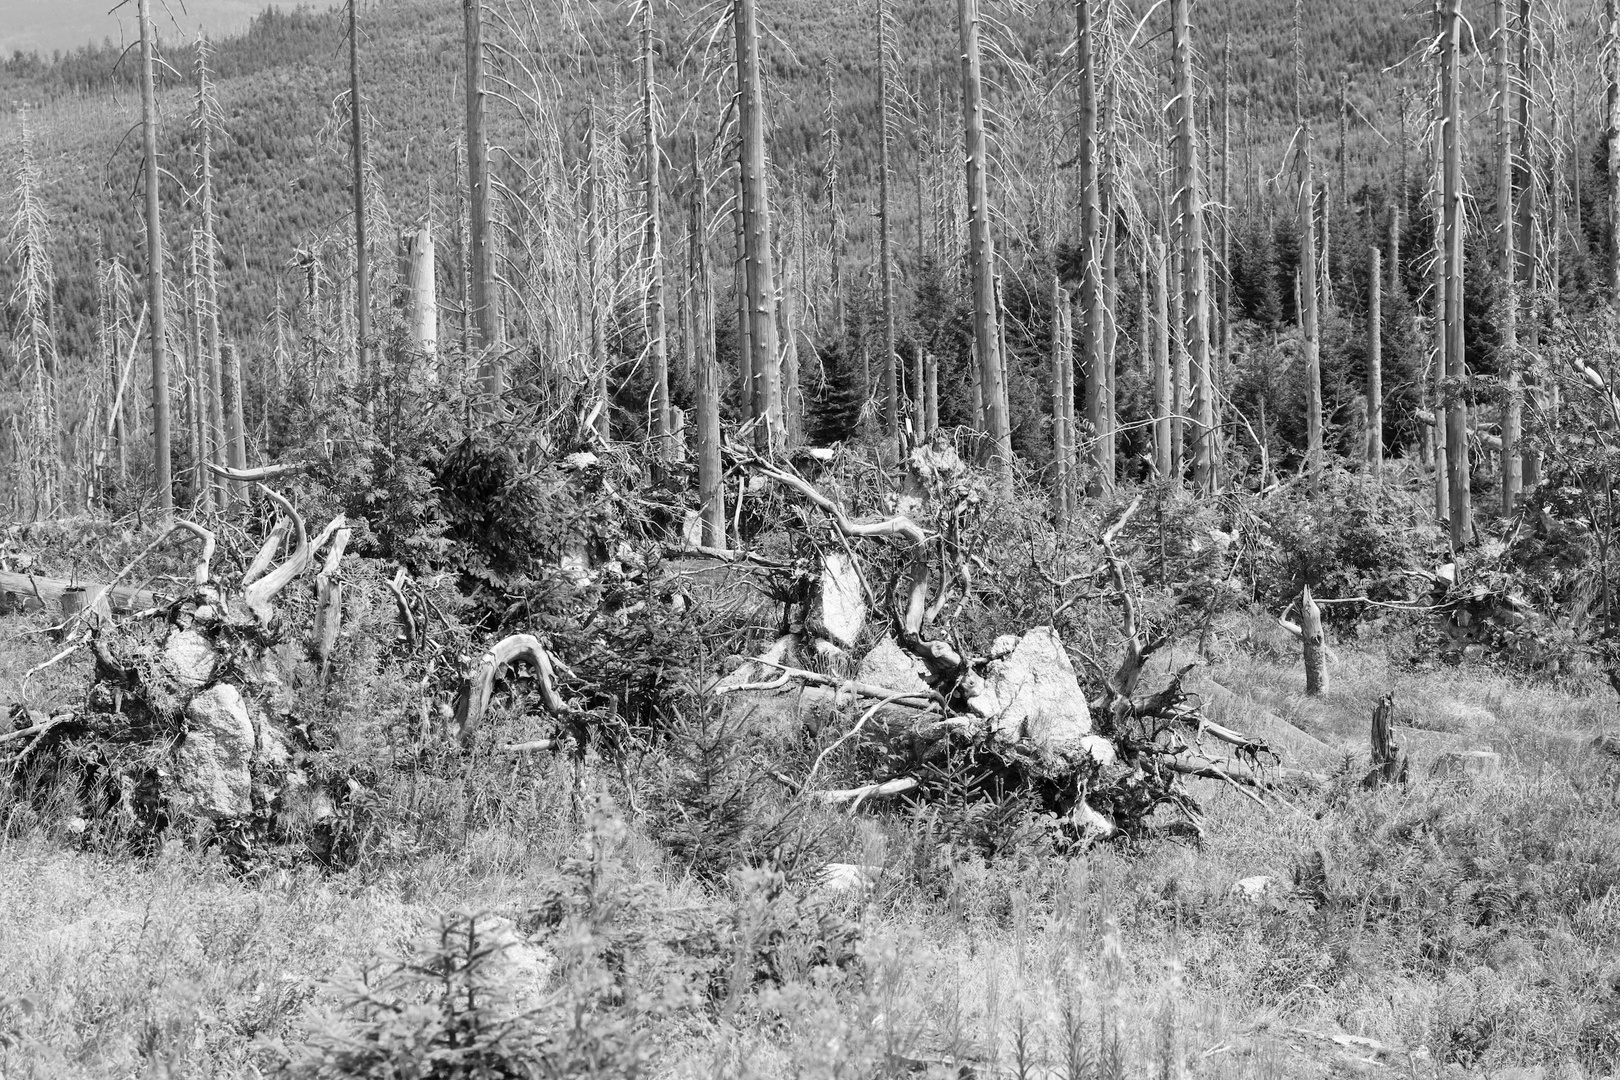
(162, 476)
(992, 372)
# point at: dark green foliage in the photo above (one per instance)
(1350, 538)
(716, 807)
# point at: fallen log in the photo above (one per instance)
(853, 797)
(18, 589)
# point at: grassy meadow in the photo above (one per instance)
(1449, 927)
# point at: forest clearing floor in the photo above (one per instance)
(1443, 928)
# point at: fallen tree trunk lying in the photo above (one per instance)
(18, 589)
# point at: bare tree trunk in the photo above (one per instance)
(711, 489)
(1507, 361)
(1435, 382)
(1060, 448)
(1091, 246)
(834, 217)
(162, 476)
(1163, 398)
(891, 379)
(1308, 270)
(1375, 367)
(481, 261)
(1611, 76)
(422, 289)
(1529, 214)
(931, 407)
(747, 391)
(1310, 624)
(657, 330)
(362, 254)
(594, 233)
(1461, 516)
(1190, 220)
(1224, 365)
(919, 393)
(235, 435)
(1389, 766)
(205, 440)
(992, 370)
(759, 272)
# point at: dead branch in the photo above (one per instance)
(199, 576)
(842, 739)
(899, 527)
(35, 729)
(264, 590)
(329, 602)
(479, 685)
(855, 796)
(397, 587)
(267, 552)
(262, 473)
(526, 747)
(851, 686)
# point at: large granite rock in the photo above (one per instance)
(213, 763)
(842, 602)
(1038, 696)
(887, 664)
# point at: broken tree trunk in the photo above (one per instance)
(1389, 764)
(1310, 624)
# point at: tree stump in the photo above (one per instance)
(1388, 763)
(1310, 624)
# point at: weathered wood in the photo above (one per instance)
(1310, 622)
(21, 588)
(1388, 763)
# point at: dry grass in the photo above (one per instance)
(1464, 927)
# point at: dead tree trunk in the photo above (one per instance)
(362, 254)
(1309, 319)
(993, 375)
(1310, 624)
(891, 377)
(1163, 403)
(1507, 363)
(1190, 219)
(759, 274)
(162, 476)
(1091, 246)
(1611, 77)
(1061, 381)
(481, 257)
(657, 335)
(1388, 763)
(595, 273)
(1457, 463)
(1375, 367)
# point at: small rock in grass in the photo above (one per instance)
(839, 878)
(1467, 764)
(1254, 889)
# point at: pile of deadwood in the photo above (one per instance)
(191, 718)
(1017, 718)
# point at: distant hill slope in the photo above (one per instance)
(282, 166)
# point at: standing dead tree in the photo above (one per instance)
(31, 296)
(981, 251)
(162, 477)
(758, 265)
